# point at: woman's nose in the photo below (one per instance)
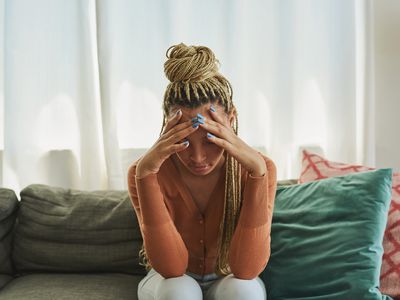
(197, 155)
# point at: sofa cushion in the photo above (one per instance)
(316, 167)
(326, 238)
(95, 286)
(67, 230)
(4, 279)
(8, 212)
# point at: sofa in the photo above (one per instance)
(58, 243)
(328, 230)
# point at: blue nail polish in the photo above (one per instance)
(209, 135)
(212, 108)
(199, 120)
(200, 116)
(186, 142)
(195, 125)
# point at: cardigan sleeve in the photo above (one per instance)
(250, 246)
(164, 245)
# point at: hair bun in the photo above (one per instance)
(190, 63)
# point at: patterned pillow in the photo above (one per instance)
(315, 167)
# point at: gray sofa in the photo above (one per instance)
(60, 243)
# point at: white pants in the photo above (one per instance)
(194, 287)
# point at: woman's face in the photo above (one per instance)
(202, 156)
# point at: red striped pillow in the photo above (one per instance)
(315, 167)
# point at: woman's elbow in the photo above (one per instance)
(171, 268)
(249, 271)
(247, 274)
(171, 272)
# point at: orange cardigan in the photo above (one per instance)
(178, 238)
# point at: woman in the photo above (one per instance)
(202, 196)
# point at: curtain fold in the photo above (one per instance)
(84, 81)
(52, 124)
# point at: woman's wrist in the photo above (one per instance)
(259, 167)
(141, 171)
(258, 173)
(141, 175)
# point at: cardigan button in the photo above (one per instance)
(201, 241)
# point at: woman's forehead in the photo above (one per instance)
(190, 114)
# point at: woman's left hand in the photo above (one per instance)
(225, 137)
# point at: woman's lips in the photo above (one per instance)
(200, 168)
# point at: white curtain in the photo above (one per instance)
(83, 81)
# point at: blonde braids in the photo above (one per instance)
(194, 81)
(230, 214)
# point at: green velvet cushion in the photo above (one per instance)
(326, 238)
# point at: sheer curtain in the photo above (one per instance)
(83, 81)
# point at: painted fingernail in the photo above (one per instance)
(178, 112)
(198, 120)
(212, 108)
(200, 116)
(195, 125)
(209, 135)
(186, 142)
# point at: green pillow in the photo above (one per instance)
(326, 238)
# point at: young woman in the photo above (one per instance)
(202, 196)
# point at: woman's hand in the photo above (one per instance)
(224, 136)
(166, 145)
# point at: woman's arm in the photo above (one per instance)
(250, 246)
(163, 243)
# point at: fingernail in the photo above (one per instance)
(195, 125)
(209, 135)
(178, 112)
(212, 108)
(200, 116)
(198, 120)
(186, 142)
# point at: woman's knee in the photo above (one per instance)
(179, 288)
(240, 289)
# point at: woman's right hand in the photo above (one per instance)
(166, 145)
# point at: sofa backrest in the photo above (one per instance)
(67, 230)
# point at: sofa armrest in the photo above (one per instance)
(8, 212)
